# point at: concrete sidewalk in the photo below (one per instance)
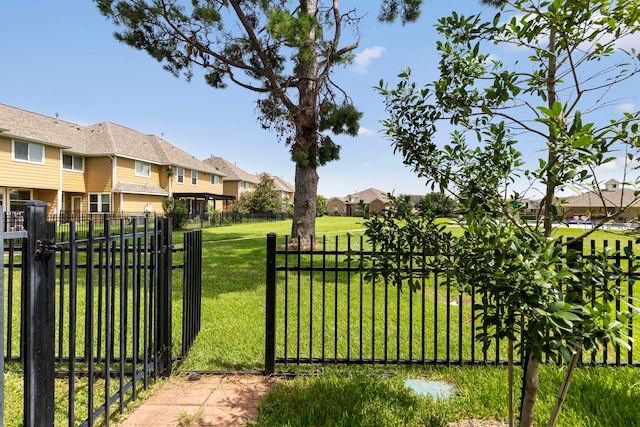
(203, 400)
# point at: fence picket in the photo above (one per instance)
(386, 323)
(110, 340)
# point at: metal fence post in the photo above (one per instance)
(270, 327)
(164, 344)
(2, 228)
(39, 316)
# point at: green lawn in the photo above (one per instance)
(232, 338)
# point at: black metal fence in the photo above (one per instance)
(321, 309)
(92, 314)
(220, 219)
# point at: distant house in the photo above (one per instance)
(285, 190)
(367, 201)
(592, 205)
(103, 168)
(236, 181)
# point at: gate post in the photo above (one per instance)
(39, 316)
(164, 343)
(270, 325)
(2, 228)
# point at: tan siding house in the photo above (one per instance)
(102, 168)
(370, 200)
(612, 198)
(236, 180)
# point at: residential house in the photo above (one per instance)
(367, 201)
(284, 189)
(236, 181)
(592, 205)
(98, 169)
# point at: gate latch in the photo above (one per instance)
(45, 248)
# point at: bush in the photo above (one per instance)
(176, 210)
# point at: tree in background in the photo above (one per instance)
(321, 205)
(265, 198)
(284, 51)
(176, 210)
(441, 204)
(546, 301)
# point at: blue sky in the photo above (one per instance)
(61, 57)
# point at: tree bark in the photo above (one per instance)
(303, 229)
(564, 389)
(530, 392)
(510, 381)
(304, 206)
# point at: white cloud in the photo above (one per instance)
(616, 168)
(626, 108)
(364, 58)
(365, 132)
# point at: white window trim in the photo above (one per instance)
(194, 175)
(143, 164)
(22, 200)
(73, 163)
(179, 176)
(99, 202)
(215, 178)
(13, 152)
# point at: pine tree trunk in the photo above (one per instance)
(531, 378)
(304, 207)
(303, 229)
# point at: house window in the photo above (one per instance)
(215, 180)
(194, 177)
(245, 185)
(99, 202)
(180, 175)
(17, 198)
(143, 169)
(72, 163)
(28, 152)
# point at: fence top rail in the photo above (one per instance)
(12, 235)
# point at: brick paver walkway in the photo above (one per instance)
(212, 400)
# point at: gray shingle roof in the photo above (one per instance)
(38, 128)
(367, 196)
(130, 187)
(231, 171)
(279, 183)
(611, 198)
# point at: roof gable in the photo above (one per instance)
(279, 183)
(367, 196)
(231, 171)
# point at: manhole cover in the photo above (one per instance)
(433, 389)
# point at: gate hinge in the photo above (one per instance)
(46, 248)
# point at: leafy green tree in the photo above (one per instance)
(176, 210)
(321, 205)
(284, 51)
(441, 204)
(568, 63)
(241, 205)
(265, 197)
